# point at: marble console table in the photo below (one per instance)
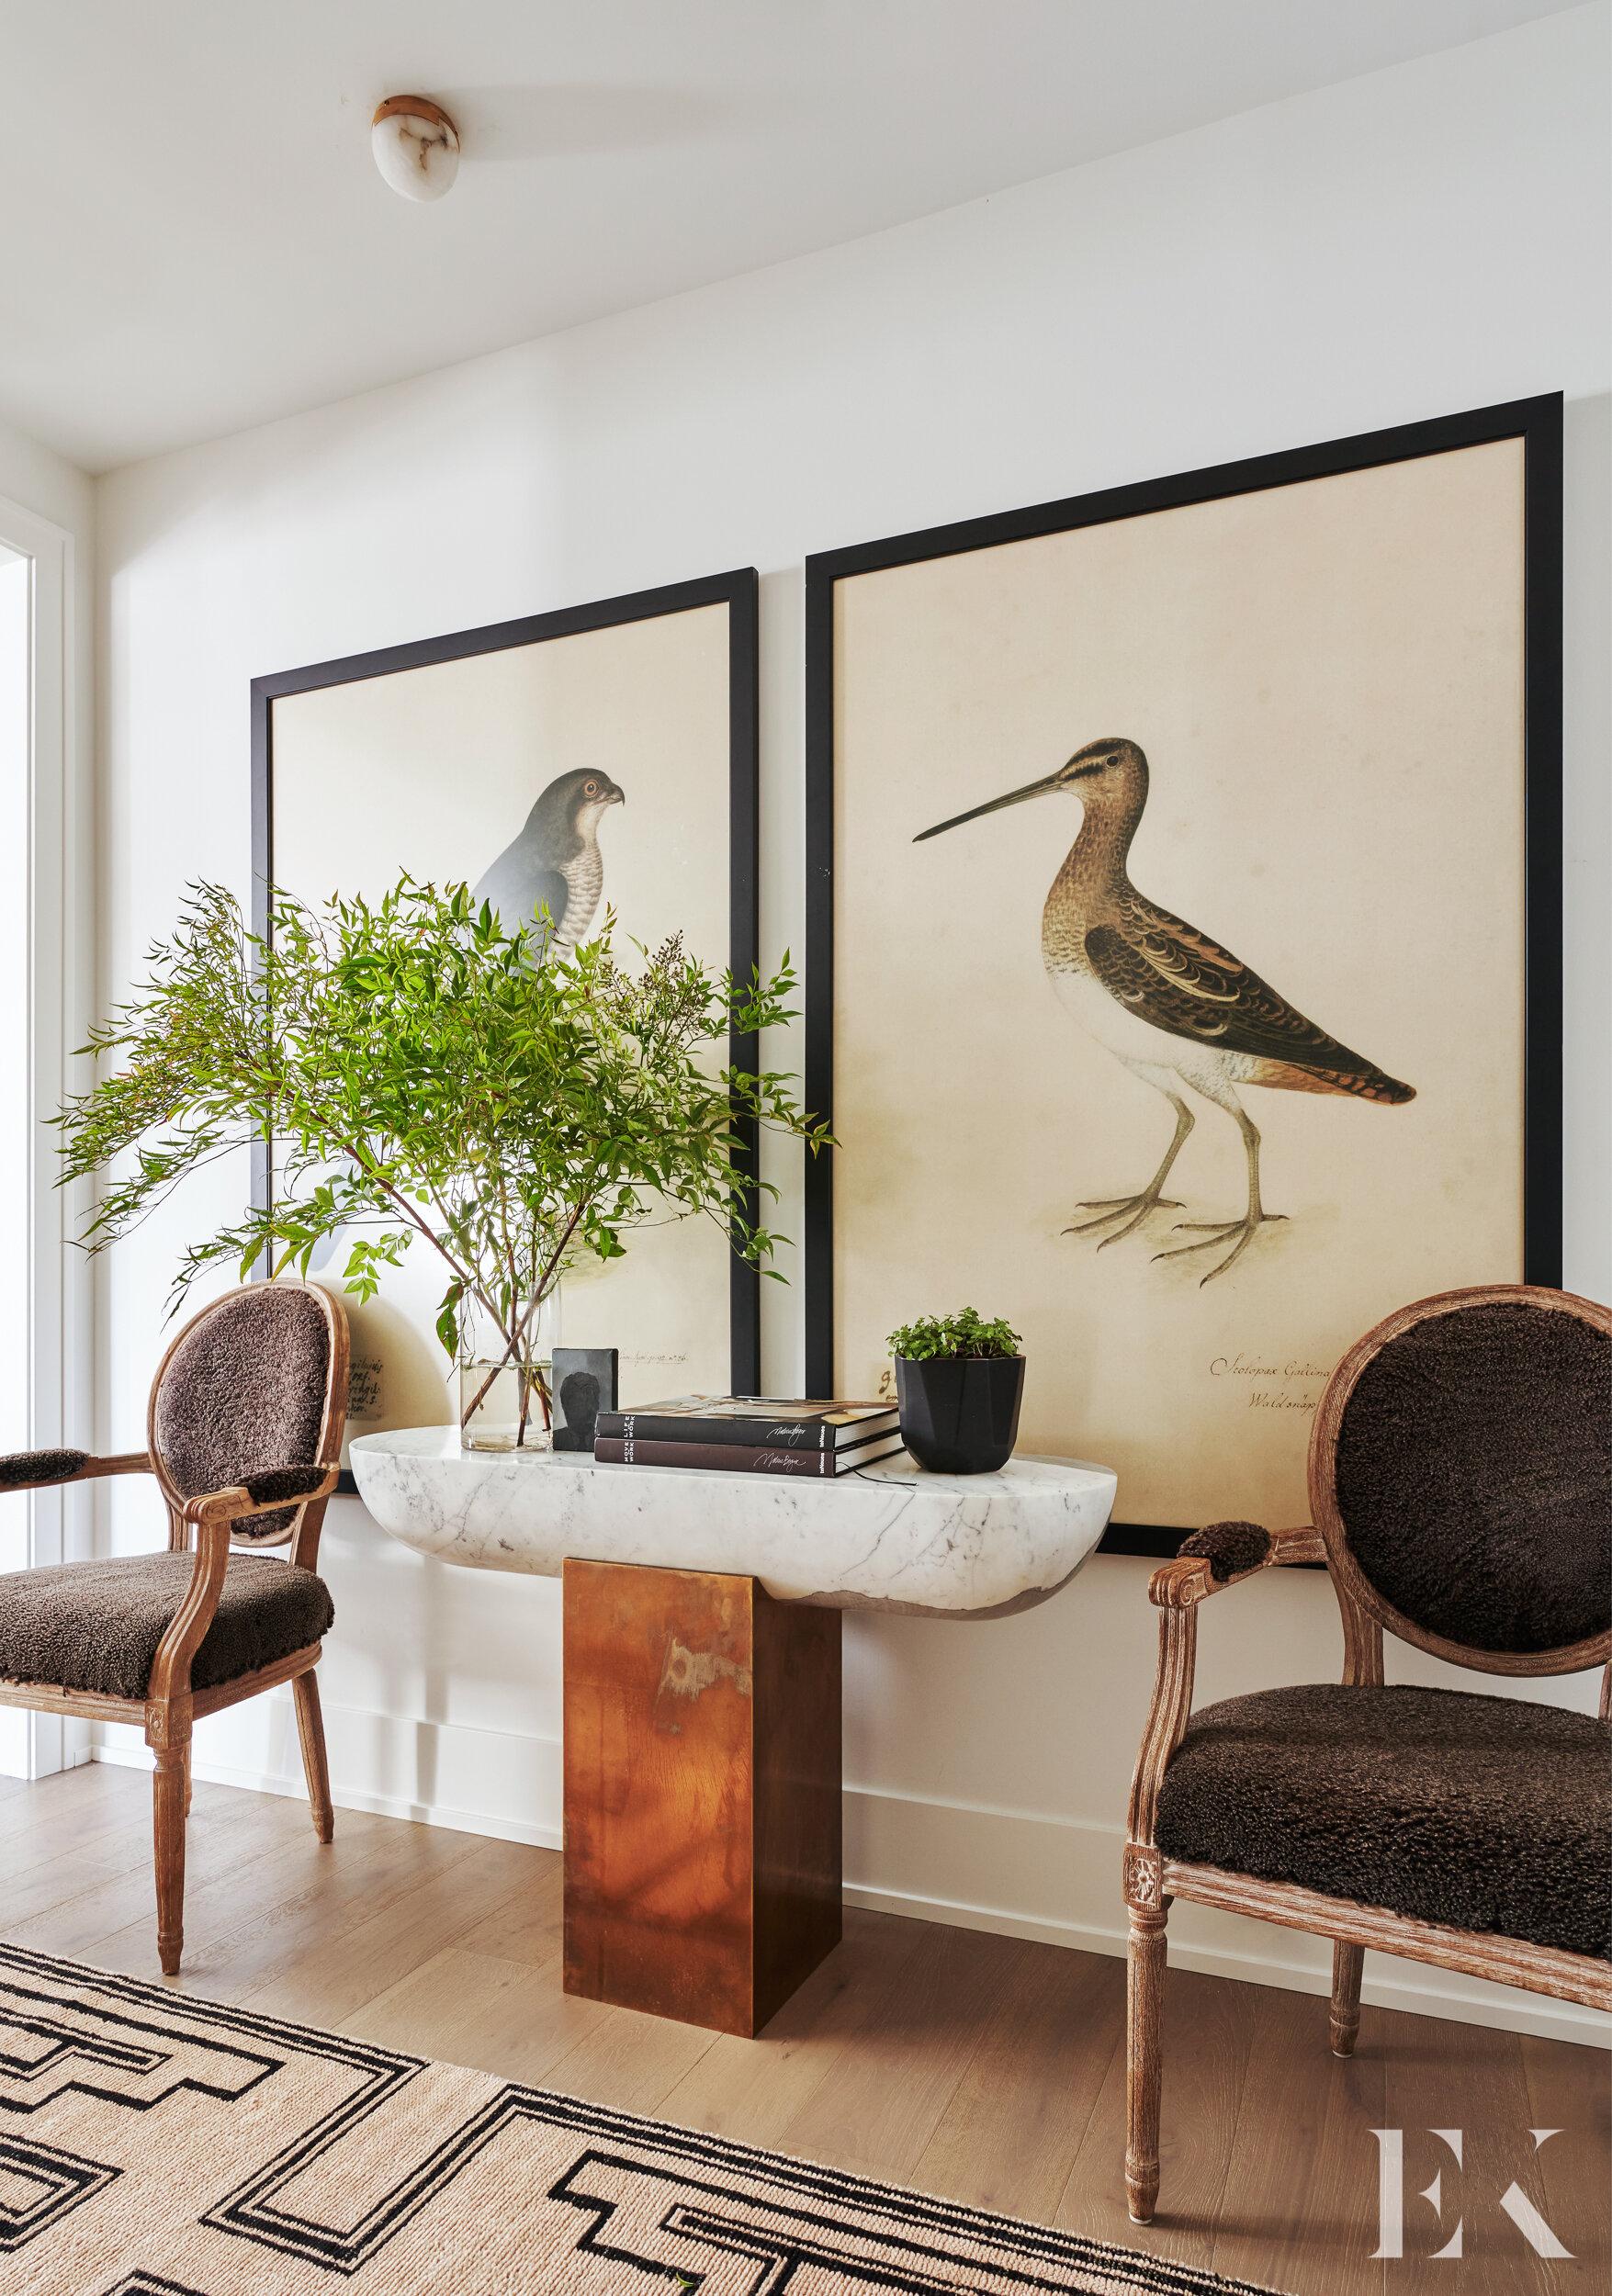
(887, 1537)
(703, 1856)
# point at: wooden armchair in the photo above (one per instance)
(243, 1432)
(1460, 1479)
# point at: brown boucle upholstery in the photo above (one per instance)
(19, 1469)
(1481, 1813)
(95, 1625)
(1228, 1548)
(283, 1482)
(243, 1392)
(1474, 1476)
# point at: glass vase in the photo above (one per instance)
(503, 1406)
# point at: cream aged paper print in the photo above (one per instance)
(558, 779)
(1179, 954)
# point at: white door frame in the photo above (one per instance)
(59, 1396)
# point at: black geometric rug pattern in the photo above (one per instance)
(155, 2145)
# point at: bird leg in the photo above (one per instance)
(1134, 1210)
(1238, 1233)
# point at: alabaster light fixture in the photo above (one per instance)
(416, 146)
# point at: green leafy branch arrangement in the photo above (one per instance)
(965, 1334)
(422, 1082)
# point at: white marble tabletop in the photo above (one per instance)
(888, 1537)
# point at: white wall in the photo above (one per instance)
(51, 487)
(1431, 238)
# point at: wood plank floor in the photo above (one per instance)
(982, 2067)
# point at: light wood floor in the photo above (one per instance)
(981, 2067)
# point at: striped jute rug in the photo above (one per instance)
(153, 2144)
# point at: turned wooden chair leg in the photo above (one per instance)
(170, 1801)
(310, 1730)
(1145, 2002)
(1347, 1962)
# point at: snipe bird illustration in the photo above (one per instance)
(1166, 999)
(550, 878)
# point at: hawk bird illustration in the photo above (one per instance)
(549, 882)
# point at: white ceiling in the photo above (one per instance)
(193, 236)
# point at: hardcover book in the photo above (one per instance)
(761, 1422)
(743, 1458)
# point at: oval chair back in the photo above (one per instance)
(258, 1380)
(1460, 1476)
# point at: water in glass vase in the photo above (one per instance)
(503, 1406)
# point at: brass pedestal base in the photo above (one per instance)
(703, 1851)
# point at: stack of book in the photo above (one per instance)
(749, 1435)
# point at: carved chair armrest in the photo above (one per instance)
(1221, 1554)
(215, 1515)
(43, 1470)
(261, 1494)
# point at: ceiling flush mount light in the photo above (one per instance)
(416, 146)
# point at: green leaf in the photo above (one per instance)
(423, 1080)
(965, 1334)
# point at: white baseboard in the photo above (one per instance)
(1015, 1872)
(489, 1824)
(1519, 2012)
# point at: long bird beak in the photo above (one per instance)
(1015, 797)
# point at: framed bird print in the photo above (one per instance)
(599, 757)
(1184, 937)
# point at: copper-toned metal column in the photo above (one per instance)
(703, 1845)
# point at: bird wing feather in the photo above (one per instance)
(1177, 977)
(550, 892)
(517, 889)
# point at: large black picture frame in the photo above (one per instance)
(737, 592)
(1537, 423)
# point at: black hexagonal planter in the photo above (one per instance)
(960, 1413)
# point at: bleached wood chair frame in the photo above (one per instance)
(1151, 1880)
(169, 1707)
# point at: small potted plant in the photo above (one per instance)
(959, 1380)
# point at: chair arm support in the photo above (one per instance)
(265, 1493)
(1224, 1554)
(43, 1470)
(215, 1515)
(1220, 1555)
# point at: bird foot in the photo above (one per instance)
(1112, 1208)
(1215, 1232)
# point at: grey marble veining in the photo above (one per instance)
(889, 1536)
